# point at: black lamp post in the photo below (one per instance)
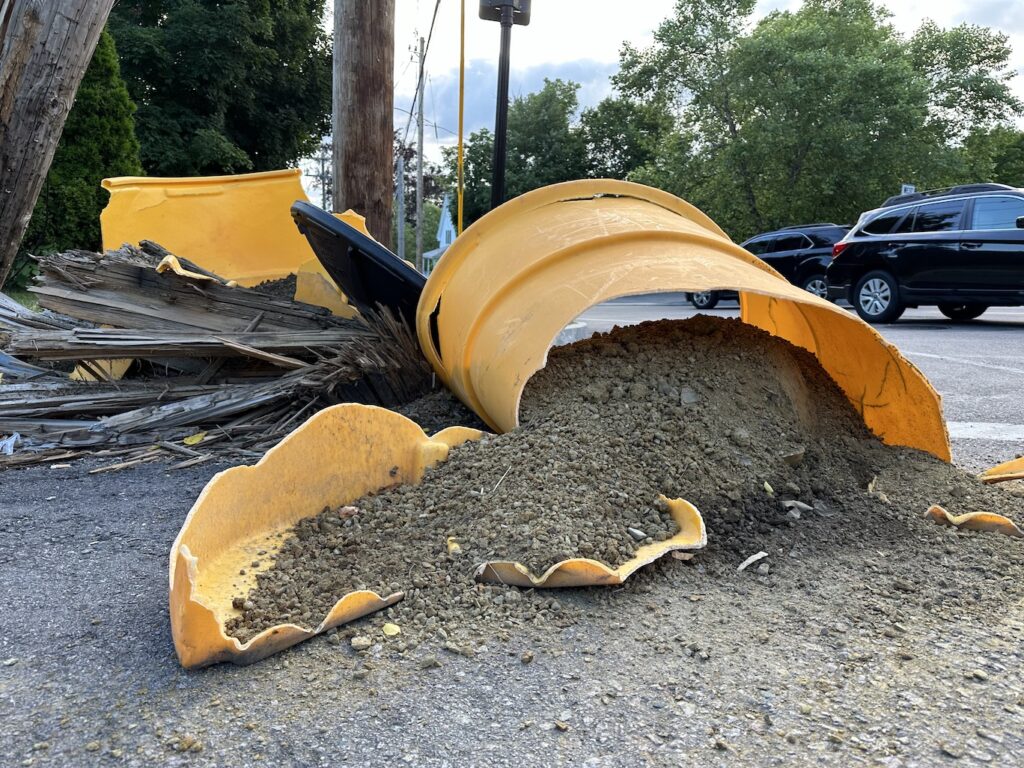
(507, 12)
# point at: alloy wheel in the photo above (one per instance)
(818, 287)
(875, 296)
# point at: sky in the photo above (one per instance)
(580, 40)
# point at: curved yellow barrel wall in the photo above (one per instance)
(239, 227)
(513, 280)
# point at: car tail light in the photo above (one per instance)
(838, 248)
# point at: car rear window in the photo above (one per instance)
(997, 212)
(826, 238)
(883, 225)
(939, 217)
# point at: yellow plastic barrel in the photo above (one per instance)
(506, 287)
(239, 227)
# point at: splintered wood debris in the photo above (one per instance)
(238, 366)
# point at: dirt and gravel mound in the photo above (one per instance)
(438, 410)
(282, 288)
(714, 411)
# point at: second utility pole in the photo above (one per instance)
(419, 169)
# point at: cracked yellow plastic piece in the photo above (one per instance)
(584, 572)
(244, 513)
(172, 264)
(239, 227)
(511, 282)
(1001, 473)
(975, 521)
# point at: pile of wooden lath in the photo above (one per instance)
(217, 369)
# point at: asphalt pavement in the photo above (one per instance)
(977, 367)
(894, 649)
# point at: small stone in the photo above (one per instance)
(10, 662)
(951, 750)
(794, 458)
(429, 662)
(391, 630)
(636, 533)
(740, 437)
(979, 674)
(687, 396)
(527, 657)
(92, 746)
(763, 569)
(561, 725)
(361, 643)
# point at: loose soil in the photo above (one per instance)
(714, 411)
(283, 288)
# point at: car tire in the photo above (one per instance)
(817, 284)
(876, 298)
(704, 299)
(962, 312)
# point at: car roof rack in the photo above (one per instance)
(959, 189)
(809, 226)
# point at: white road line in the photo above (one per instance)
(965, 361)
(985, 430)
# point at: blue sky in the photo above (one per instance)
(580, 40)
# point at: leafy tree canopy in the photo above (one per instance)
(816, 114)
(547, 143)
(224, 86)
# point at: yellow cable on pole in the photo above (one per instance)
(462, 94)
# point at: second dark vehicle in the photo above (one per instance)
(960, 249)
(800, 253)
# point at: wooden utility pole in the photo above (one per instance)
(419, 166)
(364, 63)
(45, 48)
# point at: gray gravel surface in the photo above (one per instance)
(885, 646)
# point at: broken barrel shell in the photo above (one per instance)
(339, 455)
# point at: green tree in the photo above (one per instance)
(477, 159)
(545, 146)
(224, 86)
(621, 135)
(98, 141)
(816, 114)
(995, 155)
(431, 219)
(968, 78)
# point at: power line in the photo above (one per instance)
(431, 123)
(419, 81)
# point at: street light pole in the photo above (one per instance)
(507, 13)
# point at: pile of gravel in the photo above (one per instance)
(711, 410)
(282, 288)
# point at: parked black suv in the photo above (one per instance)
(801, 253)
(961, 249)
